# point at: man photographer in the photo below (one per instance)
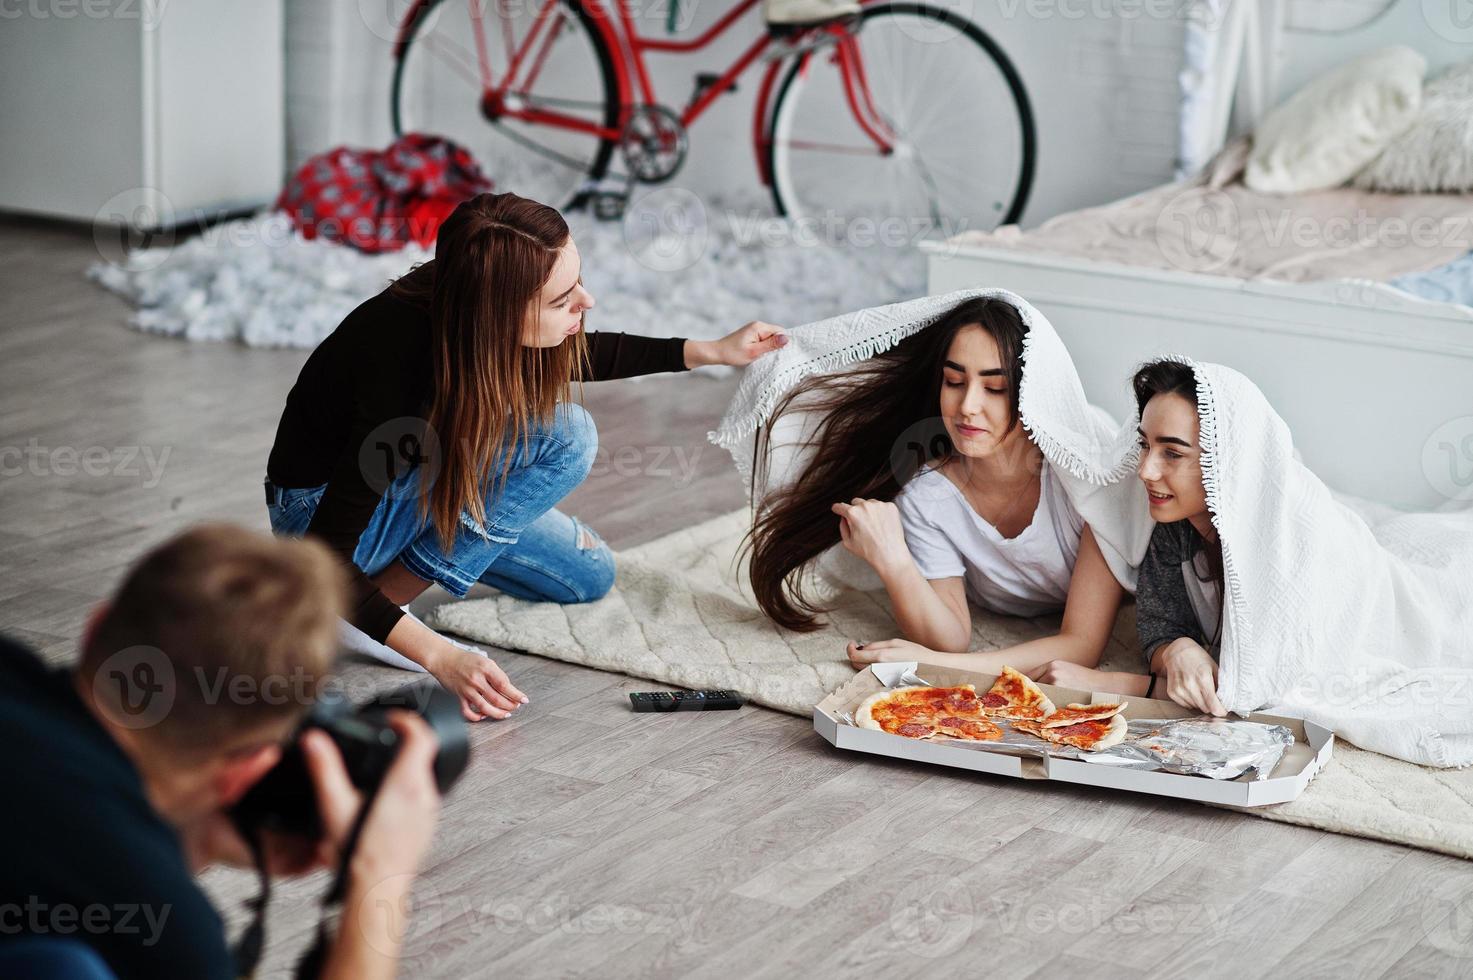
(119, 774)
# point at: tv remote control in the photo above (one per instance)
(686, 700)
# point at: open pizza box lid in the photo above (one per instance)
(1309, 753)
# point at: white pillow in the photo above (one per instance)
(1337, 124)
(1436, 153)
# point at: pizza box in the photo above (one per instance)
(1307, 756)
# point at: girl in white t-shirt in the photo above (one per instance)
(935, 483)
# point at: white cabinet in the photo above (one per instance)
(112, 105)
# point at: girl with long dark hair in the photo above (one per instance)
(922, 468)
(430, 436)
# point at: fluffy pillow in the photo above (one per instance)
(1337, 124)
(1436, 153)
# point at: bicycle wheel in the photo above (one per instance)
(964, 141)
(453, 46)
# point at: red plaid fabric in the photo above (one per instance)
(380, 201)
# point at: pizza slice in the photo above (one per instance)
(909, 711)
(921, 712)
(1073, 713)
(1086, 727)
(1015, 696)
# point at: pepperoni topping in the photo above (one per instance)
(991, 700)
(972, 728)
(1081, 728)
(920, 713)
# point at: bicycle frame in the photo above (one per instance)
(502, 99)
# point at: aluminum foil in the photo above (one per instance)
(1203, 745)
(1219, 748)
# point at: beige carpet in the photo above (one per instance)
(678, 615)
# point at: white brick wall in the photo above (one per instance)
(1103, 87)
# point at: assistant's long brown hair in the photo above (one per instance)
(492, 257)
(880, 426)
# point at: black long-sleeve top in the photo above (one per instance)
(375, 368)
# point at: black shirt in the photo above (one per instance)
(372, 370)
(86, 857)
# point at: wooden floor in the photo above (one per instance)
(588, 841)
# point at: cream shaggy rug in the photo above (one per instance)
(678, 614)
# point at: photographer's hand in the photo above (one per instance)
(391, 846)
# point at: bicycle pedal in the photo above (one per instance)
(609, 205)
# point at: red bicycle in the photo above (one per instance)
(904, 110)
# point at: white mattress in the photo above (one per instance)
(1212, 224)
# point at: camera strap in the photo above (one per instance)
(252, 943)
(309, 967)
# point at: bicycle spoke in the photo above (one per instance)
(483, 60)
(508, 32)
(957, 111)
(933, 196)
(552, 34)
(866, 151)
(564, 82)
(441, 47)
(538, 148)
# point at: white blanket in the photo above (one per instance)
(1364, 627)
(1090, 452)
(1367, 629)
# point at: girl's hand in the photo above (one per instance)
(871, 529)
(886, 652)
(1191, 676)
(483, 688)
(737, 349)
(1066, 673)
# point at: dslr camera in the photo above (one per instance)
(284, 800)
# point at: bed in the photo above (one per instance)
(1358, 333)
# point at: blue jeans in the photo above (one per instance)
(526, 549)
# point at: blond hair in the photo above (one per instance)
(233, 631)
